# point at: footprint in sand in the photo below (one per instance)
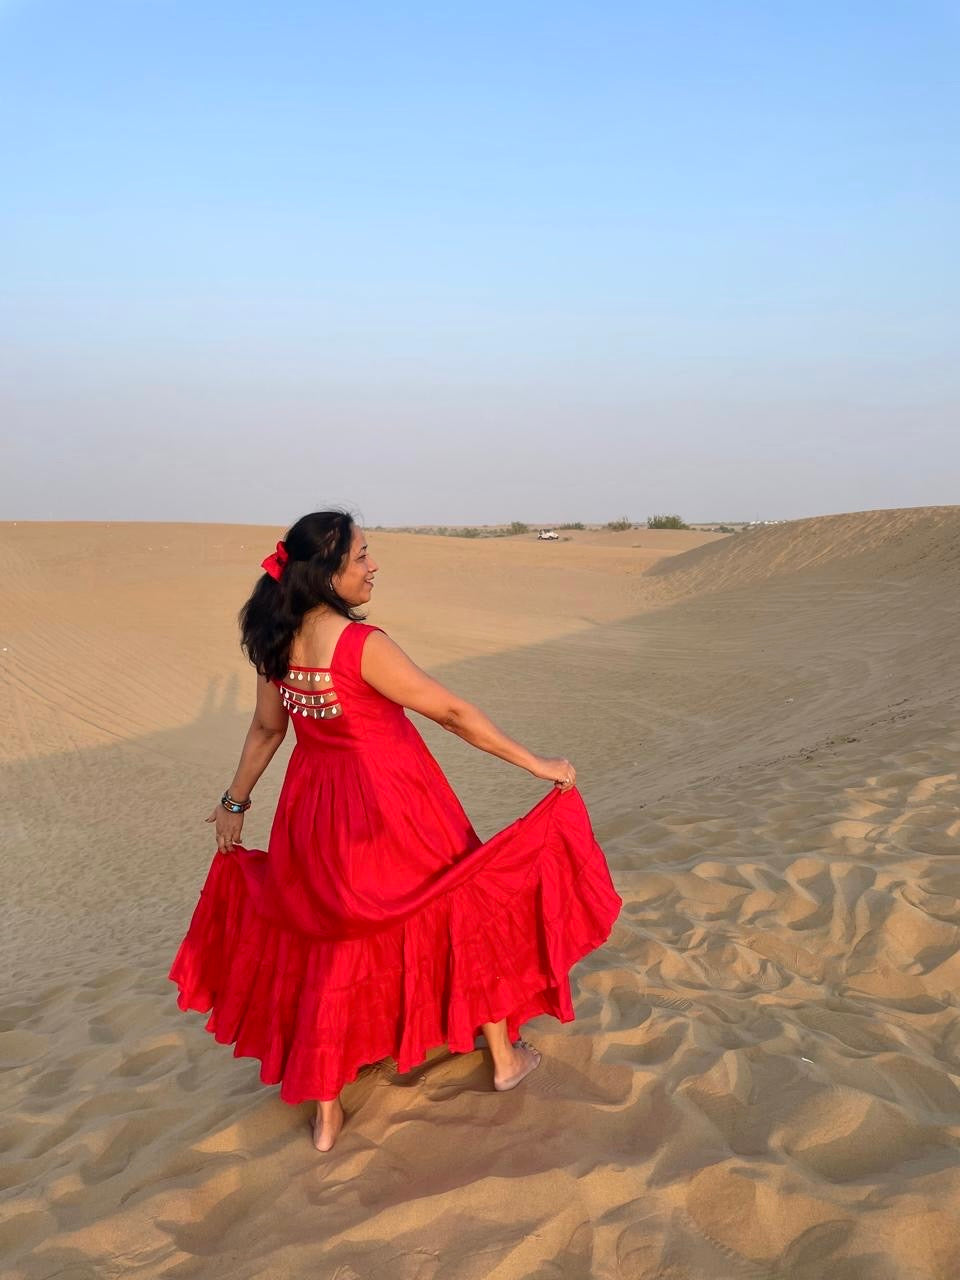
(853, 1030)
(625, 1008)
(17, 1048)
(153, 1062)
(52, 1084)
(845, 1135)
(133, 1137)
(238, 1216)
(15, 1134)
(119, 1021)
(102, 1106)
(659, 1047)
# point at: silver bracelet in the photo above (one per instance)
(234, 806)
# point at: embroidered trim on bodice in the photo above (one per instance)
(318, 704)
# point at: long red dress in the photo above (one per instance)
(377, 924)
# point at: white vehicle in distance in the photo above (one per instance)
(548, 535)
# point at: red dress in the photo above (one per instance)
(377, 924)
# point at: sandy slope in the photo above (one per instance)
(763, 1078)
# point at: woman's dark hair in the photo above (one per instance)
(317, 547)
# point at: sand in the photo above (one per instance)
(762, 1081)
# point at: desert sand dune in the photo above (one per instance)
(890, 543)
(764, 1077)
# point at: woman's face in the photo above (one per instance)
(354, 582)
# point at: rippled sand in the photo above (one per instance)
(763, 1078)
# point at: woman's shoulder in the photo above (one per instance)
(353, 639)
(361, 630)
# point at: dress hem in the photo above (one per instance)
(500, 945)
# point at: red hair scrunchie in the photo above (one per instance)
(274, 564)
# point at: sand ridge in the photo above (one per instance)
(764, 1076)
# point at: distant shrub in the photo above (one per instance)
(621, 525)
(487, 531)
(575, 524)
(724, 528)
(666, 522)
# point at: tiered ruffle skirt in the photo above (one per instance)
(522, 910)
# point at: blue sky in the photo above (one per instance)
(543, 261)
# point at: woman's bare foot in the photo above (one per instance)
(525, 1059)
(326, 1124)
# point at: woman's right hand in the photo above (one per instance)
(229, 826)
(558, 771)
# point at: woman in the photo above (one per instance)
(377, 924)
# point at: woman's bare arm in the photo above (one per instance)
(386, 667)
(267, 730)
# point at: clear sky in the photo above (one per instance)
(469, 263)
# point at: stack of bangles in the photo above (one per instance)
(234, 806)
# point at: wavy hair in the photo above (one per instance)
(317, 547)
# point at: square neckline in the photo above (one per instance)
(294, 666)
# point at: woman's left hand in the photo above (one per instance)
(558, 771)
(229, 826)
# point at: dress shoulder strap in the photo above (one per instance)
(350, 647)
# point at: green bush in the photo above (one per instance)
(666, 522)
(620, 526)
(487, 531)
(575, 524)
